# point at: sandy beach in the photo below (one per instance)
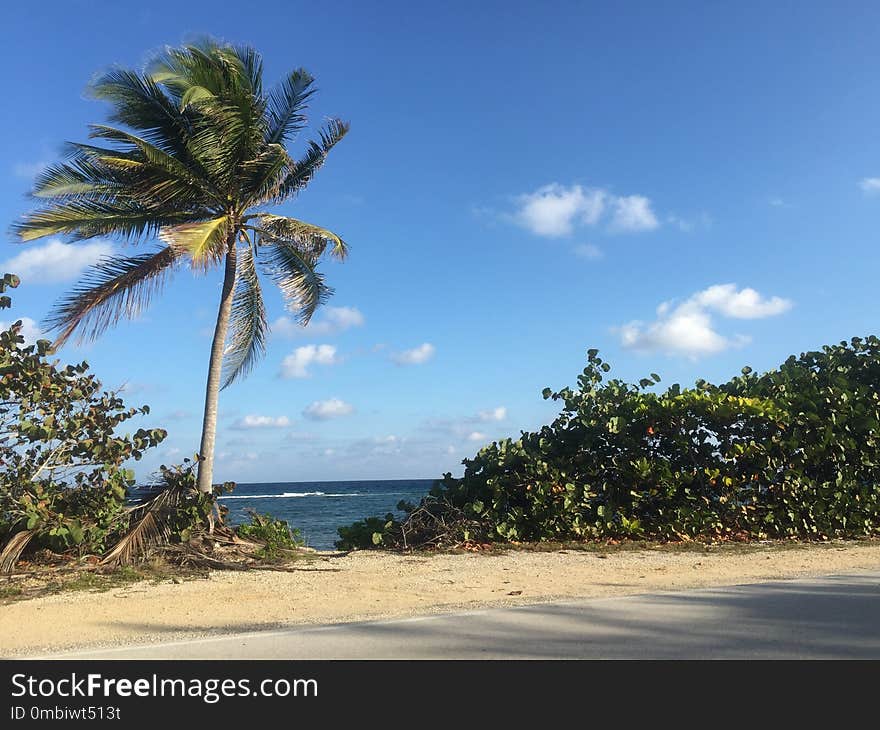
(363, 585)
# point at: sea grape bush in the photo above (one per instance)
(63, 478)
(792, 453)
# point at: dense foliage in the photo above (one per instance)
(63, 482)
(792, 453)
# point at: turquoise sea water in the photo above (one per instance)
(316, 509)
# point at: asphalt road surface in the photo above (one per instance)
(833, 617)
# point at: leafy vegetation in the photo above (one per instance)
(198, 155)
(278, 539)
(63, 483)
(792, 453)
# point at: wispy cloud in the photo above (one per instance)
(870, 185)
(688, 328)
(331, 321)
(298, 362)
(252, 421)
(29, 170)
(689, 224)
(495, 414)
(56, 261)
(324, 410)
(588, 251)
(417, 356)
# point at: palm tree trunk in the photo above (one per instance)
(215, 367)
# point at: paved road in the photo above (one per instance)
(834, 617)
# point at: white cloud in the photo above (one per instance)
(29, 329)
(870, 185)
(254, 421)
(588, 251)
(496, 414)
(56, 261)
(323, 410)
(553, 210)
(687, 328)
(476, 436)
(331, 321)
(743, 304)
(297, 363)
(416, 356)
(633, 214)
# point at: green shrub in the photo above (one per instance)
(367, 533)
(63, 482)
(278, 538)
(792, 453)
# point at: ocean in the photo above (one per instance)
(316, 509)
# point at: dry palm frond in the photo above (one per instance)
(14, 548)
(112, 289)
(148, 527)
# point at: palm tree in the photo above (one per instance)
(199, 153)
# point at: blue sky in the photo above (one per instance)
(688, 187)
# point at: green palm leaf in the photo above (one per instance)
(287, 104)
(293, 271)
(309, 238)
(138, 102)
(248, 325)
(304, 170)
(82, 218)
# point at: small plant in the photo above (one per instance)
(278, 538)
(367, 533)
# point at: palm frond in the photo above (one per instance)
(138, 102)
(248, 326)
(222, 80)
(77, 177)
(252, 63)
(293, 271)
(82, 218)
(141, 536)
(204, 241)
(309, 238)
(287, 103)
(148, 525)
(112, 289)
(13, 549)
(262, 176)
(304, 170)
(176, 173)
